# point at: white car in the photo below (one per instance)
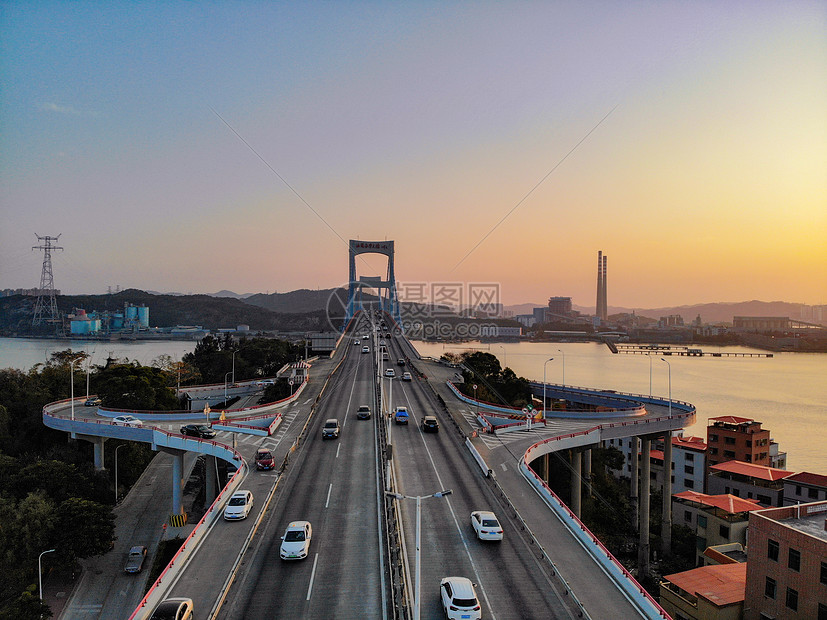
(406, 376)
(459, 599)
(366, 349)
(295, 544)
(390, 373)
(486, 525)
(126, 420)
(239, 506)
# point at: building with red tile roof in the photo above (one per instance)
(749, 481)
(710, 592)
(741, 439)
(804, 487)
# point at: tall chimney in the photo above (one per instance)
(604, 314)
(598, 306)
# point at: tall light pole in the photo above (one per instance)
(226, 374)
(505, 356)
(88, 364)
(476, 401)
(650, 375)
(670, 385)
(551, 359)
(116, 471)
(564, 366)
(233, 366)
(72, 380)
(418, 499)
(40, 572)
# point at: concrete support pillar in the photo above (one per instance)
(666, 521)
(576, 459)
(210, 479)
(177, 483)
(633, 494)
(643, 528)
(546, 467)
(98, 442)
(587, 471)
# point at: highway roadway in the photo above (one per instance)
(334, 485)
(510, 582)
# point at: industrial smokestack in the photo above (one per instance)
(598, 303)
(604, 316)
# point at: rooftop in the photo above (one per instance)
(751, 470)
(806, 518)
(691, 443)
(721, 584)
(732, 419)
(726, 502)
(806, 477)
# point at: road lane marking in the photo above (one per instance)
(329, 489)
(504, 466)
(337, 450)
(307, 401)
(312, 576)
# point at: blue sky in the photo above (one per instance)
(426, 123)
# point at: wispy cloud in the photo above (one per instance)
(68, 110)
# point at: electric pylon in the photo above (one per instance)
(42, 314)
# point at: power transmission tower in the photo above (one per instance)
(42, 314)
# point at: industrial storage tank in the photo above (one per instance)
(131, 313)
(81, 324)
(143, 316)
(117, 320)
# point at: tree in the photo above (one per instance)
(27, 607)
(127, 386)
(84, 528)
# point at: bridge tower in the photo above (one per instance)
(386, 288)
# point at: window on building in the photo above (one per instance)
(688, 469)
(700, 544)
(824, 573)
(792, 599)
(653, 475)
(748, 458)
(772, 549)
(730, 441)
(713, 437)
(765, 499)
(794, 560)
(749, 443)
(701, 521)
(822, 611)
(687, 516)
(770, 587)
(723, 531)
(713, 450)
(736, 492)
(729, 454)
(812, 493)
(689, 483)
(690, 457)
(798, 489)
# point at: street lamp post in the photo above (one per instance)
(88, 364)
(418, 499)
(116, 471)
(505, 356)
(544, 385)
(670, 385)
(226, 374)
(564, 366)
(650, 375)
(72, 380)
(476, 401)
(40, 572)
(233, 367)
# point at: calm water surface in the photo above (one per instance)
(787, 393)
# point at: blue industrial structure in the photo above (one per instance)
(386, 289)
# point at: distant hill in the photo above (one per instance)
(168, 311)
(226, 293)
(303, 300)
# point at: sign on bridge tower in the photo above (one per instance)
(386, 289)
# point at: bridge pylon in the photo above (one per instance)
(386, 289)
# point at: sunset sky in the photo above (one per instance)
(184, 146)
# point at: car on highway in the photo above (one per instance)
(363, 413)
(400, 362)
(486, 526)
(295, 544)
(178, 608)
(126, 420)
(406, 376)
(390, 373)
(356, 342)
(459, 599)
(330, 430)
(135, 559)
(365, 337)
(92, 401)
(366, 349)
(430, 424)
(401, 416)
(198, 430)
(264, 459)
(239, 506)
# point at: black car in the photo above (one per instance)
(400, 362)
(363, 413)
(430, 424)
(198, 430)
